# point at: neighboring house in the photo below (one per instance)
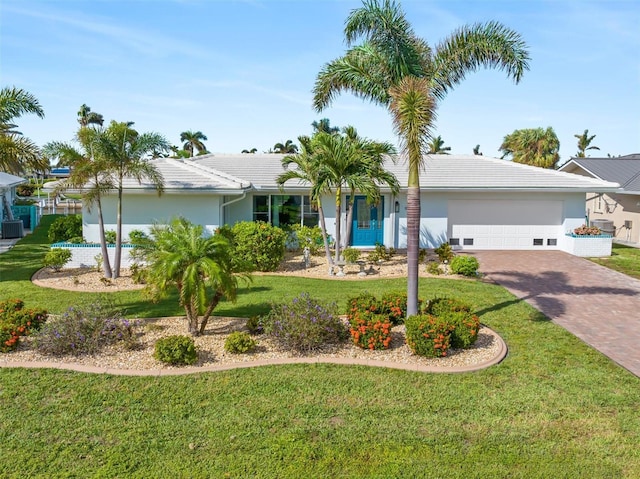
(8, 184)
(473, 202)
(622, 207)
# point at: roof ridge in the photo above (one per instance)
(193, 166)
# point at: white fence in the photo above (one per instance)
(589, 246)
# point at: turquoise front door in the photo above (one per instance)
(368, 222)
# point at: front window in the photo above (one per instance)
(284, 210)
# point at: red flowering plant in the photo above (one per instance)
(428, 335)
(16, 321)
(370, 331)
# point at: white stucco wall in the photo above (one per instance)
(139, 212)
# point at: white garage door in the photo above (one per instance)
(505, 224)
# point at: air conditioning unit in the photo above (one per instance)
(628, 224)
(12, 229)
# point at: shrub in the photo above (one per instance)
(64, 228)
(434, 268)
(370, 331)
(138, 237)
(76, 240)
(380, 253)
(239, 342)
(351, 255)
(304, 324)
(307, 237)
(464, 328)
(56, 258)
(86, 329)
(363, 303)
(138, 273)
(176, 350)
(25, 189)
(394, 305)
(255, 246)
(444, 252)
(16, 322)
(110, 236)
(440, 306)
(423, 254)
(428, 335)
(254, 325)
(465, 265)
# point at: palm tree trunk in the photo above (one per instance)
(338, 214)
(349, 231)
(212, 305)
(106, 264)
(413, 247)
(325, 238)
(118, 255)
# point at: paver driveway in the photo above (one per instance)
(598, 305)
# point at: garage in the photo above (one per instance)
(499, 224)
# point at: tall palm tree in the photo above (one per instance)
(584, 143)
(87, 174)
(179, 255)
(194, 141)
(532, 146)
(288, 147)
(390, 51)
(87, 117)
(18, 153)
(324, 125)
(436, 147)
(126, 153)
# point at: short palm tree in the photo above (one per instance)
(436, 146)
(389, 53)
(126, 153)
(18, 153)
(87, 117)
(584, 143)
(288, 147)
(199, 266)
(193, 141)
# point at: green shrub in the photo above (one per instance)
(370, 331)
(465, 265)
(394, 305)
(304, 324)
(176, 350)
(110, 236)
(255, 246)
(464, 328)
(434, 268)
(381, 253)
(423, 254)
(86, 329)
(239, 342)
(25, 189)
(76, 240)
(138, 273)
(15, 321)
(440, 306)
(254, 325)
(428, 335)
(363, 303)
(351, 255)
(64, 228)
(302, 237)
(56, 258)
(138, 237)
(444, 252)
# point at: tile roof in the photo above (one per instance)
(624, 170)
(7, 180)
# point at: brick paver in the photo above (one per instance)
(598, 305)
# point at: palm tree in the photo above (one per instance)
(18, 153)
(251, 151)
(476, 150)
(193, 141)
(288, 147)
(126, 152)
(87, 117)
(390, 52)
(584, 142)
(436, 147)
(532, 146)
(324, 125)
(198, 266)
(88, 169)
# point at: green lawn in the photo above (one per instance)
(553, 408)
(624, 259)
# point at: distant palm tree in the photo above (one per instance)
(476, 150)
(532, 146)
(251, 151)
(392, 58)
(18, 153)
(87, 117)
(584, 142)
(193, 141)
(289, 147)
(324, 125)
(199, 266)
(436, 147)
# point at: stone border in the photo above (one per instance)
(502, 353)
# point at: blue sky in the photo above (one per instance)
(242, 71)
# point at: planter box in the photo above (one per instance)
(83, 255)
(589, 246)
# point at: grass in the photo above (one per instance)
(624, 259)
(553, 408)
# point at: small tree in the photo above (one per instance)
(198, 266)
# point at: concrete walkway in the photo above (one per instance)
(598, 305)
